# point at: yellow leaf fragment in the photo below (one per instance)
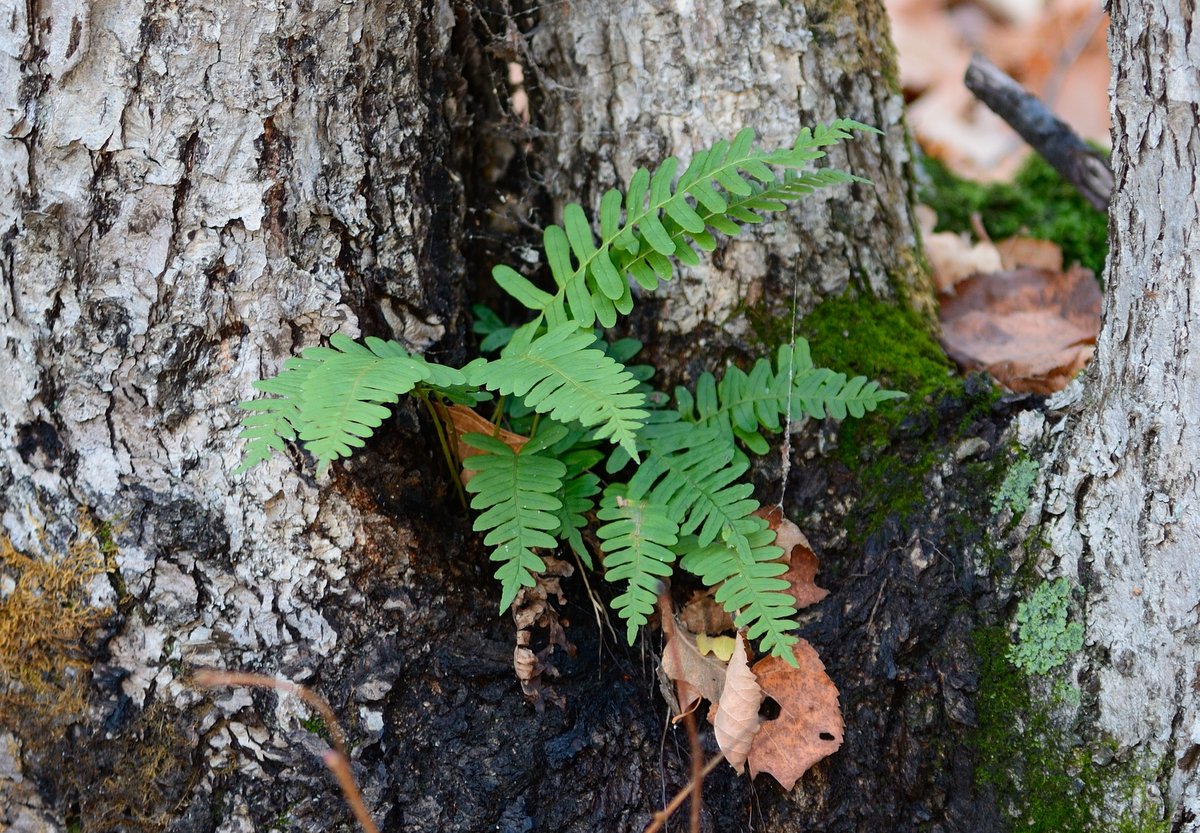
(721, 647)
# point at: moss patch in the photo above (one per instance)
(1043, 782)
(891, 451)
(1038, 203)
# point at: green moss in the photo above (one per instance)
(894, 345)
(1038, 203)
(1044, 782)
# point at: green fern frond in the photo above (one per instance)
(637, 543)
(695, 473)
(333, 398)
(562, 375)
(579, 486)
(745, 563)
(515, 493)
(273, 420)
(659, 218)
(743, 405)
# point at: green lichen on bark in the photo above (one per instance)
(1045, 639)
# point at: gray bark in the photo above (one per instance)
(627, 84)
(1122, 504)
(188, 195)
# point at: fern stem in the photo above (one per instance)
(451, 463)
(537, 417)
(498, 414)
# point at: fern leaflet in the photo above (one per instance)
(562, 375)
(728, 183)
(744, 404)
(637, 548)
(333, 398)
(515, 493)
(746, 565)
(579, 486)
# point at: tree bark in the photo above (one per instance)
(1122, 508)
(190, 194)
(626, 85)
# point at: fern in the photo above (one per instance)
(579, 486)
(744, 404)
(656, 219)
(515, 491)
(637, 549)
(695, 473)
(333, 397)
(745, 563)
(562, 375)
(688, 498)
(276, 419)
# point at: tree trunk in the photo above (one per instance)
(190, 195)
(1122, 509)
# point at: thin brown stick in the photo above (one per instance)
(695, 786)
(1058, 144)
(337, 759)
(660, 818)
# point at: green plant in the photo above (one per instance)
(1045, 640)
(674, 488)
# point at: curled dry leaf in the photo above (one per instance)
(802, 561)
(1031, 329)
(809, 726)
(695, 674)
(736, 720)
(1016, 252)
(532, 608)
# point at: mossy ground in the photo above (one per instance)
(1037, 203)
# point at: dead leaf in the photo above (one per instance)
(809, 726)
(704, 614)
(695, 675)
(463, 420)
(736, 720)
(953, 257)
(802, 561)
(532, 608)
(801, 577)
(1031, 329)
(1016, 252)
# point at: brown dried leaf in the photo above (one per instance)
(809, 726)
(1016, 252)
(802, 561)
(704, 614)
(801, 577)
(532, 608)
(695, 674)
(463, 420)
(736, 720)
(1031, 329)
(953, 257)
